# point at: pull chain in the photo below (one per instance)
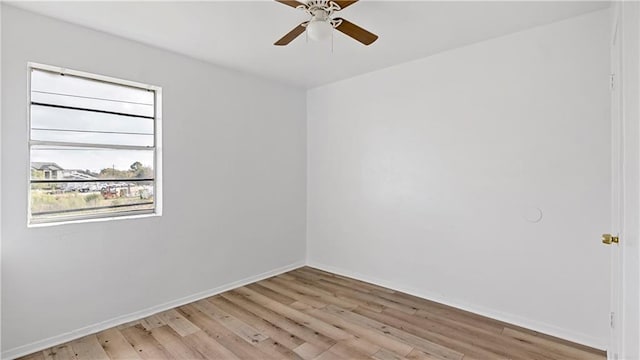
(331, 41)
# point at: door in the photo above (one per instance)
(617, 196)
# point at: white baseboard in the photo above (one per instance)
(491, 313)
(91, 329)
(534, 325)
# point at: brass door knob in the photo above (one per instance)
(608, 239)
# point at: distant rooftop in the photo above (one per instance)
(45, 166)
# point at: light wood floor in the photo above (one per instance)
(311, 314)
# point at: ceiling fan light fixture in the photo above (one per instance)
(319, 30)
(322, 22)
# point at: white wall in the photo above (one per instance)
(0, 178)
(222, 129)
(421, 177)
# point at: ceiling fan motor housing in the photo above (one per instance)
(320, 9)
(326, 5)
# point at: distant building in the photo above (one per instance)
(46, 170)
(78, 174)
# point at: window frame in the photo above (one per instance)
(157, 149)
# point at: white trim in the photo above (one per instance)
(630, 236)
(157, 147)
(538, 326)
(494, 314)
(614, 348)
(92, 219)
(157, 167)
(88, 145)
(88, 75)
(91, 329)
(1, 6)
(28, 143)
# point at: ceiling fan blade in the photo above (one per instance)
(292, 3)
(344, 3)
(290, 36)
(350, 29)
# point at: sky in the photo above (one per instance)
(135, 127)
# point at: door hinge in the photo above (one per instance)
(612, 316)
(612, 81)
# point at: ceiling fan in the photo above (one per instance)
(322, 22)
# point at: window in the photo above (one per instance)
(93, 144)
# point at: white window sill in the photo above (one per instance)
(90, 220)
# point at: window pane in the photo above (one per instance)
(106, 167)
(56, 89)
(71, 163)
(43, 117)
(60, 200)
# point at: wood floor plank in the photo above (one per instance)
(266, 327)
(370, 301)
(128, 324)
(427, 307)
(443, 337)
(300, 306)
(329, 355)
(345, 281)
(309, 351)
(471, 341)
(304, 272)
(364, 332)
(462, 317)
(427, 346)
(116, 346)
(540, 335)
(551, 346)
(146, 346)
(421, 355)
(298, 296)
(308, 289)
(177, 322)
(431, 306)
(277, 350)
(384, 354)
(244, 331)
(221, 334)
(310, 314)
(207, 346)
(35, 356)
(290, 325)
(286, 276)
(372, 298)
(363, 345)
(88, 347)
(450, 315)
(152, 322)
(347, 296)
(62, 352)
(316, 324)
(344, 350)
(281, 298)
(172, 342)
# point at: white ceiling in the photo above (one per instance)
(240, 34)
